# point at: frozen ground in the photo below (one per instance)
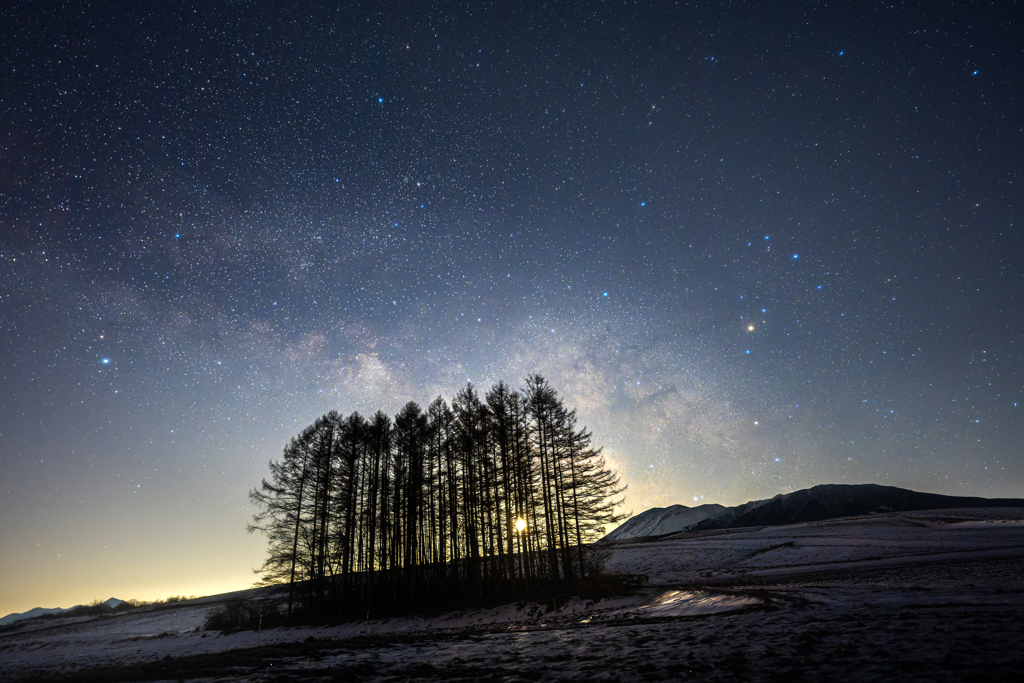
(759, 553)
(935, 595)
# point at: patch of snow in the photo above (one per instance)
(677, 603)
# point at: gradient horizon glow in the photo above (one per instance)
(758, 247)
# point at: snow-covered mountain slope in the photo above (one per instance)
(657, 521)
(40, 611)
(829, 501)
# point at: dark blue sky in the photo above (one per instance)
(760, 247)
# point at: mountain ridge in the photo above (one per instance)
(830, 501)
(658, 521)
(815, 504)
(36, 612)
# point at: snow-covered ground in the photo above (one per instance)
(937, 594)
(882, 540)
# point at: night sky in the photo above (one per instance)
(759, 246)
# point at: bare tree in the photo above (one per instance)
(480, 498)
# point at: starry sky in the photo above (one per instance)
(759, 246)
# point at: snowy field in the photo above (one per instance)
(878, 541)
(936, 595)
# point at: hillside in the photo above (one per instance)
(658, 521)
(829, 501)
(866, 598)
(55, 611)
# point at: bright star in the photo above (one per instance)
(796, 256)
(105, 361)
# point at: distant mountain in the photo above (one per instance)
(828, 501)
(41, 611)
(657, 521)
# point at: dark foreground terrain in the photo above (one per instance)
(897, 598)
(952, 622)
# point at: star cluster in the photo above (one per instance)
(759, 248)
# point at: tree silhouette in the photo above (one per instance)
(483, 498)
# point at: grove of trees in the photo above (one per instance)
(496, 496)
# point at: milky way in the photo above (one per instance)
(759, 248)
